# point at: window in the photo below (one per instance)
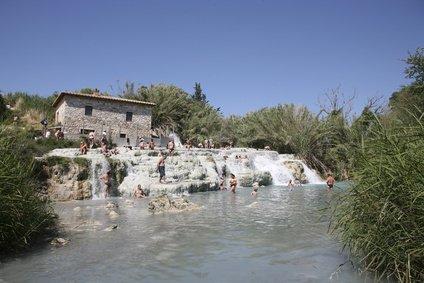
(85, 131)
(123, 136)
(129, 116)
(88, 110)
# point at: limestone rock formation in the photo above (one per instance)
(72, 176)
(59, 242)
(296, 168)
(164, 203)
(65, 178)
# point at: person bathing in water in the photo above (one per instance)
(233, 183)
(255, 189)
(222, 183)
(290, 185)
(139, 193)
(107, 182)
(161, 167)
(330, 182)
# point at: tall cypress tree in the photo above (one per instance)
(198, 93)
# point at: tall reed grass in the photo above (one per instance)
(381, 217)
(24, 215)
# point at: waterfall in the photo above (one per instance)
(99, 167)
(177, 140)
(313, 177)
(196, 169)
(280, 174)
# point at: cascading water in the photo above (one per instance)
(177, 140)
(192, 170)
(311, 175)
(99, 167)
(280, 174)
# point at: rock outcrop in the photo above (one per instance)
(65, 178)
(187, 171)
(164, 203)
(296, 168)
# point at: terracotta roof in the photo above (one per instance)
(99, 96)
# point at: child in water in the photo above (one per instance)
(233, 183)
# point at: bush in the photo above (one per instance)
(381, 217)
(23, 214)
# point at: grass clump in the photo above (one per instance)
(381, 217)
(24, 216)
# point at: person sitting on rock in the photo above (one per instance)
(151, 144)
(83, 147)
(233, 183)
(104, 149)
(142, 144)
(91, 137)
(139, 193)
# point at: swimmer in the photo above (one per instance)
(255, 189)
(139, 193)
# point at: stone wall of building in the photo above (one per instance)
(109, 116)
(60, 112)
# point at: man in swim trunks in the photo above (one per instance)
(330, 182)
(161, 167)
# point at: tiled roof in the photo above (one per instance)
(99, 96)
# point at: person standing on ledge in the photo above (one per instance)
(161, 167)
(233, 183)
(330, 182)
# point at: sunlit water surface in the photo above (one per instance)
(278, 236)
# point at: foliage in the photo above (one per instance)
(3, 109)
(415, 70)
(23, 214)
(31, 109)
(381, 217)
(203, 122)
(176, 111)
(198, 94)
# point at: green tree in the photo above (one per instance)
(171, 109)
(3, 108)
(198, 93)
(415, 69)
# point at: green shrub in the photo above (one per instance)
(381, 217)
(23, 214)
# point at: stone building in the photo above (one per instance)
(124, 120)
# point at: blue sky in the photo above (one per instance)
(245, 54)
